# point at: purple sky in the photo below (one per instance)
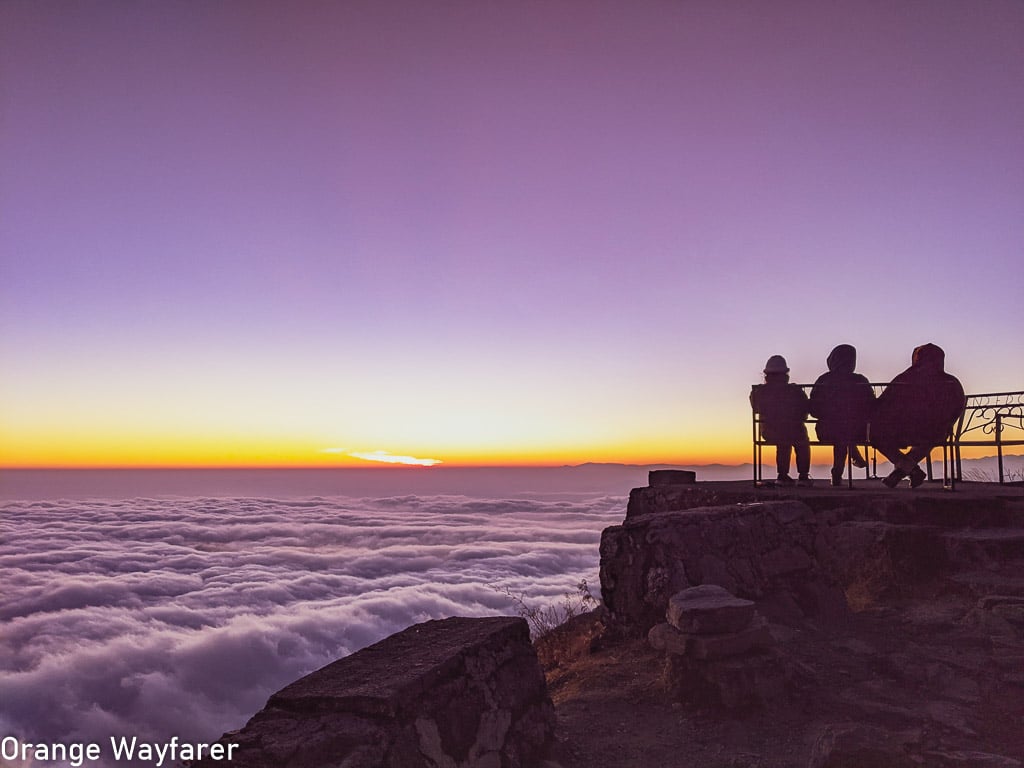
(492, 230)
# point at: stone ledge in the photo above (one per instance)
(974, 507)
(751, 550)
(800, 554)
(452, 692)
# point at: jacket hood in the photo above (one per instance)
(930, 357)
(842, 359)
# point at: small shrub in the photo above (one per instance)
(544, 618)
(975, 475)
(1010, 475)
(871, 581)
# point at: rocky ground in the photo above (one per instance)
(923, 674)
(931, 677)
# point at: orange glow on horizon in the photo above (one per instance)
(99, 442)
(131, 454)
(44, 449)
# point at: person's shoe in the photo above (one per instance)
(893, 478)
(837, 478)
(917, 476)
(784, 480)
(804, 481)
(856, 459)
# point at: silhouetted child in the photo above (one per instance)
(841, 401)
(782, 408)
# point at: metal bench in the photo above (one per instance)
(991, 419)
(871, 471)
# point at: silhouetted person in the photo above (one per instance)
(841, 401)
(917, 409)
(783, 407)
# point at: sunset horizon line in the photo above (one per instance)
(371, 465)
(385, 467)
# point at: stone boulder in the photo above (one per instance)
(671, 477)
(718, 650)
(454, 693)
(708, 609)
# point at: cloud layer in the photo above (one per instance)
(180, 617)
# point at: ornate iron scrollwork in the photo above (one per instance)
(987, 413)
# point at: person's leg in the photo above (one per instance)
(887, 439)
(916, 453)
(838, 457)
(803, 458)
(782, 454)
(838, 463)
(914, 456)
(892, 452)
(855, 458)
(803, 463)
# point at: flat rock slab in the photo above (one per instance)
(446, 693)
(671, 477)
(709, 610)
(379, 678)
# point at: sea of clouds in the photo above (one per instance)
(161, 617)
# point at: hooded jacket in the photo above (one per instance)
(841, 400)
(920, 405)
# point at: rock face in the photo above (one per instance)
(750, 550)
(813, 555)
(453, 693)
(895, 621)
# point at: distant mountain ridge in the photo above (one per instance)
(490, 482)
(981, 468)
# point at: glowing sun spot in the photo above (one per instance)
(387, 458)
